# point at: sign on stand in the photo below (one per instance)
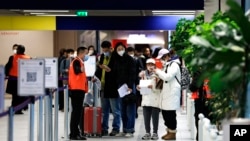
(2, 88)
(31, 81)
(51, 72)
(90, 66)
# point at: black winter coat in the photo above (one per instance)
(123, 70)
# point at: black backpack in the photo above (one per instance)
(185, 77)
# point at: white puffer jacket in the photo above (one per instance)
(151, 100)
(171, 91)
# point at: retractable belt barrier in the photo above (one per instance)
(48, 130)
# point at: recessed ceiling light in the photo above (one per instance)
(57, 15)
(171, 11)
(53, 11)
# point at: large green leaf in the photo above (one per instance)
(236, 13)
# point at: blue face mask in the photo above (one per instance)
(86, 57)
(106, 54)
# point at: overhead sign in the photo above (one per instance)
(120, 22)
(2, 88)
(81, 13)
(105, 4)
(51, 72)
(31, 80)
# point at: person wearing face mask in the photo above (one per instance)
(107, 101)
(14, 48)
(123, 71)
(64, 69)
(11, 70)
(139, 67)
(170, 93)
(78, 86)
(92, 51)
(150, 102)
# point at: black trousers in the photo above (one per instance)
(77, 97)
(169, 117)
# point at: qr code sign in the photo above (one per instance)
(31, 76)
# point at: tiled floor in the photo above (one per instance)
(21, 127)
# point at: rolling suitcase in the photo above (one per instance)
(93, 116)
(92, 121)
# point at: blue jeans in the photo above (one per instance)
(114, 105)
(128, 112)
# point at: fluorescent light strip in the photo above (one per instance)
(163, 11)
(38, 13)
(173, 13)
(55, 11)
(65, 15)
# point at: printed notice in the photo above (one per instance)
(144, 87)
(2, 91)
(90, 66)
(51, 73)
(123, 90)
(31, 80)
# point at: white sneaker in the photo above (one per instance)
(129, 135)
(147, 136)
(121, 134)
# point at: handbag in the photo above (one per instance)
(159, 84)
(130, 98)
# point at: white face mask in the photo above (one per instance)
(90, 52)
(121, 52)
(75, 54)
(132, 55)
(14, 51)
(72, 55)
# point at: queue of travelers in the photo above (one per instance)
(115, 66)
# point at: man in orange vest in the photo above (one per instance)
(200, 94)
(78, 86)
(11, 70)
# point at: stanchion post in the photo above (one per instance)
(56, 115)
(40, 119)
(66, 111)
(11, 125)
(50, 117)
(46, 114)
(32, 119)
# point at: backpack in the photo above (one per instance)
(185, 77)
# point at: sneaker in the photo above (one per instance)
(129, 135)
(121, 134)
(105, 133)
(147, 136)
(113, 133)
(154, 136)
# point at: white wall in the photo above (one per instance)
(37, 43)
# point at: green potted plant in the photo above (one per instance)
(223, 51)
(180, 38)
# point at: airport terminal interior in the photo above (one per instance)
(44, 33)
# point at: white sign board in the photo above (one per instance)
(2, 92)
(51, 72)
(90, 66)
(31, 80)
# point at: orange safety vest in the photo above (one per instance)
(77, 81)
(14, 67)
(206, 88)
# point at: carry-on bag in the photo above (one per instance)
(93, 115)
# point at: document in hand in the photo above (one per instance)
(144, 87)
(123, 90)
